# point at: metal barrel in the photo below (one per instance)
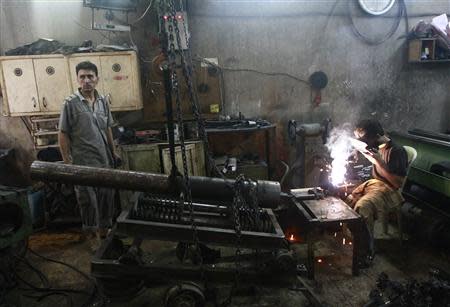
(268, 192)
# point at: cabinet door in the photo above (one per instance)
(52, 83)
(73, 62)
(18, 76)
(119, 82)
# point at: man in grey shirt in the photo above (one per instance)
(85, 138)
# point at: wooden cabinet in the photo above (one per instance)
(195, 158)
(155, 158)
(141, 157)
(206, 83)
(32, 86)
(38, 84)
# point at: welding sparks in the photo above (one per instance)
(340, 149)
(291, 238)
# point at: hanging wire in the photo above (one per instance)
(371, 41)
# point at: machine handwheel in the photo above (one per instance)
(119, 289)
(185, 295)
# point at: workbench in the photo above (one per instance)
(239, 141)
(324, 213)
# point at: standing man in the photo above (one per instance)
(85, 138)
(381, 193)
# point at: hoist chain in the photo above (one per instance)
(186, 195)
(186, 62)
(239, 201)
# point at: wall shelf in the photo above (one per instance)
(44, 131)
(426, 50)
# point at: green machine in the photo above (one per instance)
(15, 216)
(427, 185)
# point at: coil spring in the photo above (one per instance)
(164, 209)
(156, 208)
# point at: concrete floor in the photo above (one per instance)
(334, 284)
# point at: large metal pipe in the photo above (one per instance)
(202, 187)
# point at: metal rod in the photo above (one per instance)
(268, 192)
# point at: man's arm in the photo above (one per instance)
(111, 145)
(109, 135)
(64, 145)
(383, 169)
(117, 160)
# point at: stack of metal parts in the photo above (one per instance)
(413, 293)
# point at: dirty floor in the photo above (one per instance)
(334, 285)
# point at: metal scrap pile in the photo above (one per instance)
(433, 292)
(51, 46)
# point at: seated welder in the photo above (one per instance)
(381, 193)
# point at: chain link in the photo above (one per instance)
(171, 56)
(175, 88)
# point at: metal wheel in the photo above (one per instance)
(285, 262)
(185, 295)
(119, 289)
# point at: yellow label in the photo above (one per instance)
(214, 108)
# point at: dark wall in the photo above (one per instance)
(301, 37)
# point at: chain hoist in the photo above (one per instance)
(186, 189)
(239, 201)
(186, 62)
(171, 35)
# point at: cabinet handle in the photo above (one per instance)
(109, 98)
(44, 102)
(34, 102)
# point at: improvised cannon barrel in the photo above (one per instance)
(268, 192)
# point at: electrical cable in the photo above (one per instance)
(388, 35)
(42, 297)
(49, 291)
(94, 288)
(199, 59)
(143, 15)
(297, 15)
(42, 277)
(329, 16)
(405, 14)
